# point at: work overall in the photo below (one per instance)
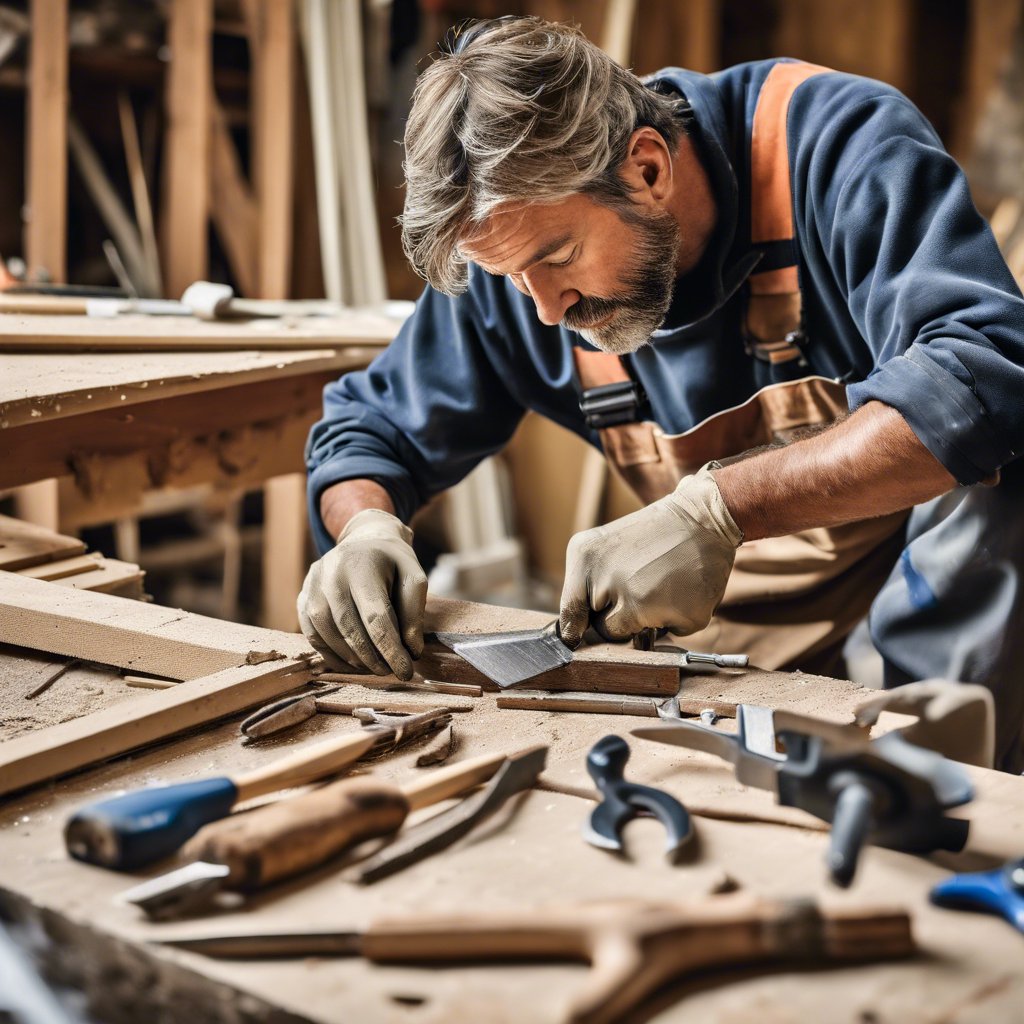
(792, 601)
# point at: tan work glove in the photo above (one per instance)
(362, 604)
(666, 565)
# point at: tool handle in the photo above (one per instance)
(297, 834)
(308, 764)
(851, 822)
(455, 779)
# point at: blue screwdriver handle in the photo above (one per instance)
(998, 892)
(130, 831)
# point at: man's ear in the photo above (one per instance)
(647, 169)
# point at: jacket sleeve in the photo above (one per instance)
(923, 278)
(425, 412)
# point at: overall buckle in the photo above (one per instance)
(610, 405)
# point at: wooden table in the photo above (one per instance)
(117, 423)
(529, 856)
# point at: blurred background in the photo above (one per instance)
(102, 184)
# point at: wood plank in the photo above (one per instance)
(139, 333)
(189, 90)
(46, 143)
(111, 576)
(57, 570)
(25, 544)
(58, 749)
(132, 635)
(602, 668)
(272, 44)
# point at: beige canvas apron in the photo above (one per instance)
(790, 601)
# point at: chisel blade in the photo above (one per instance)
(510, 658)
(284, 944)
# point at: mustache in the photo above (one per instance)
(588, 310)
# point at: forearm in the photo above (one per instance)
(341, 501)
(868, 465)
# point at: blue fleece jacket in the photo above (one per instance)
(906, 299)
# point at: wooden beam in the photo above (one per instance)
(187, 144)
(232, 207)
(58, 749)
(272, 42)
(25, 544)
(47, 170)
(132, 635)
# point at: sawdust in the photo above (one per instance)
(79, 691)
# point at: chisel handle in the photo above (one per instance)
(308, 764)
(299, 833)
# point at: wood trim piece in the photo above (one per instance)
(26, 544)
(148, 718)
(131, 635)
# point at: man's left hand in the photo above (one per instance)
(666, 565)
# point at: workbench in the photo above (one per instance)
(117, 407)
(531, 855)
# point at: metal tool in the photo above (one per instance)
(624, 800)
(247, 852)
(634, 948)
(517, 774)
(884, 791)
(510, 658)
(140, 827)
(996, 892)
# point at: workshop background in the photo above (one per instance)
(135, 159)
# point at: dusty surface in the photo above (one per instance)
(79, 691)
(532, 856)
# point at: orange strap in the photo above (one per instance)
(771, 206)
(771, 201)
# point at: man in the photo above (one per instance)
(766, 294)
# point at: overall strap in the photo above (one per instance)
(774, 308)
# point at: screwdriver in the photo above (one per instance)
(249, 851)
(137, 828)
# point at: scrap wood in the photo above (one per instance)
(439, 750)
(51, 679)
(608, 704)
(391, 683)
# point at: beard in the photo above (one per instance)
(650, 277)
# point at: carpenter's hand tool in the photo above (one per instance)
(884, 791)
(624, 800)
(613, 704)
(518, 773)
(634, 948)
(995, 892)
(135, 829)
(251, 850)
(209, 300)
(513, 657)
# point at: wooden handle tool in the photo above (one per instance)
(634, 949)
(248, 851)
(138, 828)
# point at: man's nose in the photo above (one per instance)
(550, 298)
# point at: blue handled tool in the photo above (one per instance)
(997, 892)
(130, 831)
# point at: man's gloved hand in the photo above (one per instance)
(666, 565)
(362, 604)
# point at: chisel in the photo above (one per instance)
(249, 851)
(130, 831)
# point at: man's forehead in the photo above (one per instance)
(514, 234)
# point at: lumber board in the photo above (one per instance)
(136, 332)
(131, 635)
(63, 568)
(24, 544)
(110, 576)
(189, 91)
(46, 140)
(59, 749)
(601, 668)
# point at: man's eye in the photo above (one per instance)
(566, 261)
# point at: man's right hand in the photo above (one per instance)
(362, 605)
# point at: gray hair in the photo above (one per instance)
(517, 110)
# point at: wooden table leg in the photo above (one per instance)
(284, 549)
